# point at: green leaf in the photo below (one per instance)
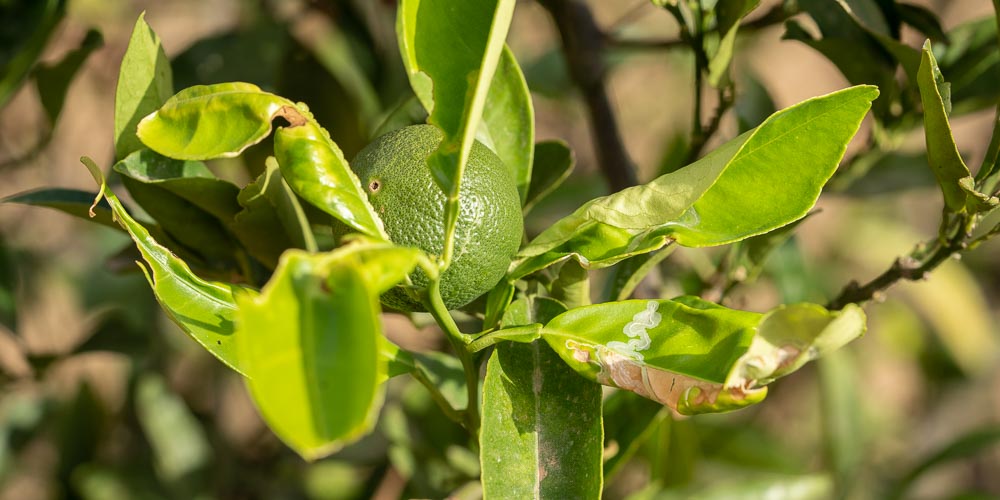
(450, 51)
(71, 201)
(186, 199)
(145, 81)
(178, 442)
(628, 421)
(755, 183)
(704, 358)
(315, 168)
(272, 220)
(966, 445)
(844, 436)
(509, 120)
(496, 303)
(53, 80)
(753, 103)
(553, 161)
(627, 275)
(213, 121)
(25, 28)
(311, 343)
(541, 435)
(203, 309)
(222, 120)
(946, 162)
(730, 13)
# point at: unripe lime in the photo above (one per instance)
(400, 186)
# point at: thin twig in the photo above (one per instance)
(913, 267)
(776, 15)
(583, 46)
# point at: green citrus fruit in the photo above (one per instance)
(394, 172)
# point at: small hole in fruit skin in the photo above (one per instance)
(374, 186)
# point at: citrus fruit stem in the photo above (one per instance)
(459, 342)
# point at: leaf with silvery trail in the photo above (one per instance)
(760, 181)
(695, 356)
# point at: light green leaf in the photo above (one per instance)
(755, 183)
(213, 121)
(217, 121)
(315, 168)
(450, 51)
(311, 343)
(553, 161)
(177, 440)
(26, 28)
(203, 309)
(791, 336)
(696, 356)
(145, 82)
(542, 435)
(946, 162)
(496, 303)
(272, 220)
(509, 120)
(729, 13)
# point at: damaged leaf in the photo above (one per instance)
(692, 355)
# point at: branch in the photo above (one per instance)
(913, 267)
(583, 46)
(776, 15)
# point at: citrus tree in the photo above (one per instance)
(284, 280)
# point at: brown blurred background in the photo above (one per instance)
(159, 418)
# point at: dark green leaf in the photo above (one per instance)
(923, 19)
(628, 421)
(311, 343)
(542, 435)
(25, 28)
(758, 182)
(53, 80)
(753, 103)
(967, 445)
(188, 202)
(553, 162)
(71, 201)
(144, 83)
(627, 274)
(272, 220)
(451, 50)
(496, 303)
(203, 309)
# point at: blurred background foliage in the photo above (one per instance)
(101, 397)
